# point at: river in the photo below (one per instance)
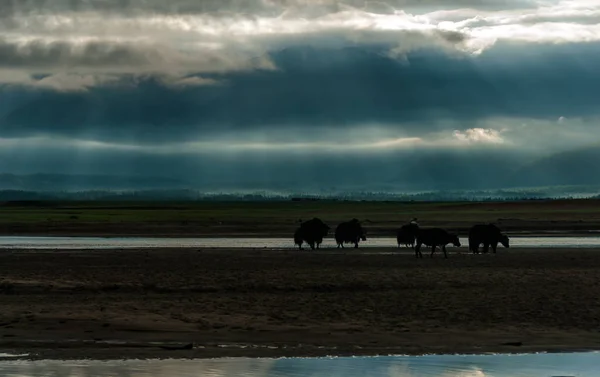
(7, 242)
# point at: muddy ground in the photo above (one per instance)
(120, 303)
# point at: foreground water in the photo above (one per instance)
(527, 365)
(232, 242)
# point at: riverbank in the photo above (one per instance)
(135, 303)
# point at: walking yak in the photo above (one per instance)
(349, 232)
(488, 235)
(435, 237)
(312, 232)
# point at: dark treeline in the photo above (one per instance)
(195, 195)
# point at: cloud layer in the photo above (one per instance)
(322, 95)
(293, 78)
(182, 37)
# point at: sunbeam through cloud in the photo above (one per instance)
(316, 82)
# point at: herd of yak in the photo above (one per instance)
(410, 235)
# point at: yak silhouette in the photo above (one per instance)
(407, 235)
(312, 232)
(435, 237)
(349, 232)
(488, 235)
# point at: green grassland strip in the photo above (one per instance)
(267, 212)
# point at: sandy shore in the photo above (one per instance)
(136, 303)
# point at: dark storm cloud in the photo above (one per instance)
(74, 51)
(271, 93)
(115, 57)
(289, 73)
(313, 90)
(79, 40)
(11, 7)
(38, 54)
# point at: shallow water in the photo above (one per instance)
(527, 365)
(269, 243)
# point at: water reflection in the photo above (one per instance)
(531, 365)
(271, 243)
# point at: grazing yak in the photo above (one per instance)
(435, 237)
(488, 235)
(311, 232)
(349, 232)
(407, 234)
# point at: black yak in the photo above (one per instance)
(311, 232)
(488, 235)
(407, 234)
(435, 237)
(349, 232)
(298, 238)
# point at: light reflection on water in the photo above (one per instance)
(269, 243)
(528, 365)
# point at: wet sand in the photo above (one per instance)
(131, 303)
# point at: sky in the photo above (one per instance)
(294, 89)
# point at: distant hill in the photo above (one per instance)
(496, 170)
(455, 171)
(576, 167)
(412, 172)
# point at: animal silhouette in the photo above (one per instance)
(407, 235)
(435, 237)
(349, 232)
(488, 235)
(312, 232)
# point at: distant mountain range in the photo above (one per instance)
(494, 171)
(577, 167)
(484, 170)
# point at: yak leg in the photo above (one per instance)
(432, 251)
(486, 247)
(418, 251)
(445, 253)
(356, 244)
(312, 245)
(494, 246)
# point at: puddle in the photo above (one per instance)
(525, 365)
(9, 355)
